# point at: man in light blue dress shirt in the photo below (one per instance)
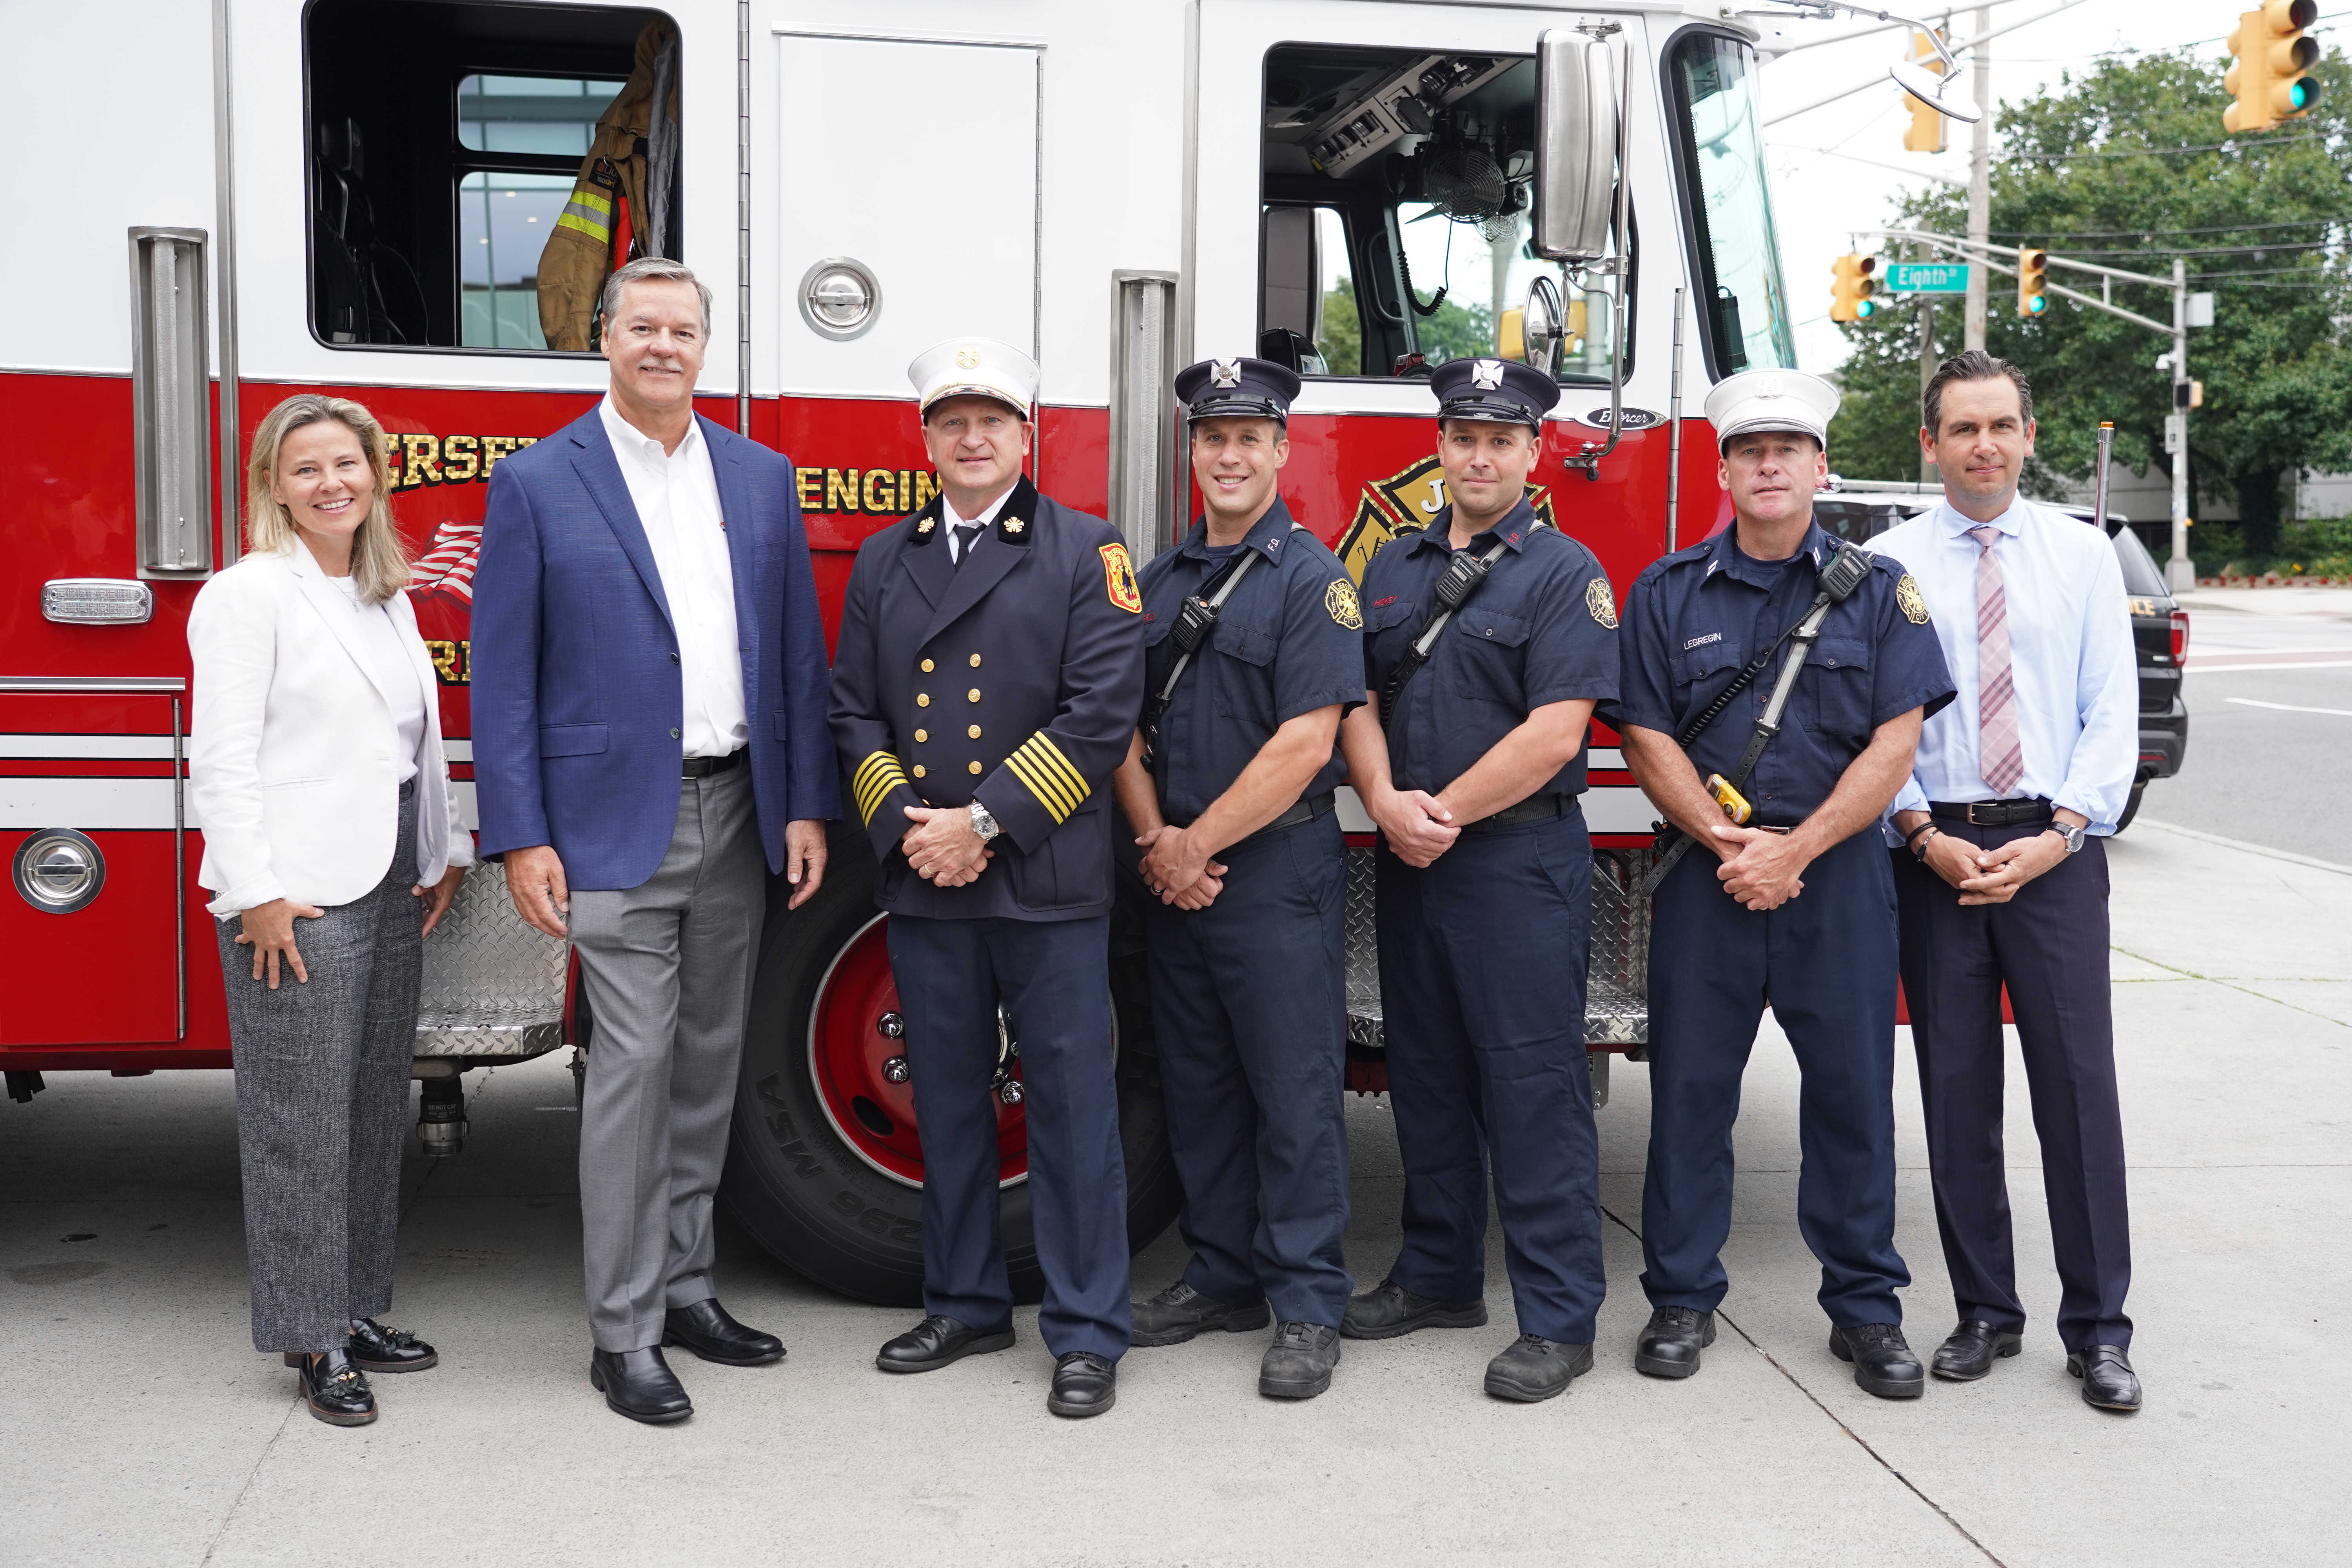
(2001, 878)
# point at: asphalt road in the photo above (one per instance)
(136, 1426)
(2269, 691)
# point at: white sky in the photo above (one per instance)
(1820, 199)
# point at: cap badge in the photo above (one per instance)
(1486, 374)
(1225, 372)
(968, 358)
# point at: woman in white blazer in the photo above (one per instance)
(333, 845)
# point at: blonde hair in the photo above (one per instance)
(379, 558)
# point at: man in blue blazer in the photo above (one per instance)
(650, 745)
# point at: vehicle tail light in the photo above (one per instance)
(2179, 637)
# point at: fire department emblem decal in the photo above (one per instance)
(1913, 603)
(1486, 374)
(1225, 372)
(1118, 576)
(1601, 602)
(1340, 598)
(967, 359)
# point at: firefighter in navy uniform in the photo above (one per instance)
(1489, 638)
(1796, 908)
(1254, 650)
(984, 690)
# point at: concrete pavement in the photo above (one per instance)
(137, 1428)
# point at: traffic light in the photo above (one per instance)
(2271, 80)
(1849, 294)
(2032, 277)
(1927, 131)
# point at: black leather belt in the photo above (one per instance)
(1538, 808)
(1990, 812)
(1306, 809)
(703, 767)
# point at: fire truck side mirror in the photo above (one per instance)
(1576, 146)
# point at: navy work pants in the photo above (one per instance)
(2049, 945)
(1825, 962)
(1249, 1009)
(1053, 980)
(1481, 988)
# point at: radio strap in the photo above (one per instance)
(1194, 622)
(1464, 576)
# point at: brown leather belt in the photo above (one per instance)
(703, 767)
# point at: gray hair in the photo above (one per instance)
(651, 269)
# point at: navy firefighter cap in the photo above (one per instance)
(1236, 389)
(1497, 389)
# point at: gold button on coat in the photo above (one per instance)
(974, 695)
(975, 767)
(918, 769)
(926, 667)
(975, 661)
(973, 732)
(921, 735)
(922, 700)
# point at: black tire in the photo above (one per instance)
(807, 1196)
(2131, 806)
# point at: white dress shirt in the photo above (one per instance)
(987, 518)
(387, 664)
(2070, 660)
(677, 498)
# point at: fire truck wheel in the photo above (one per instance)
(824, 1165)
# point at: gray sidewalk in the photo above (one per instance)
(136, 1428)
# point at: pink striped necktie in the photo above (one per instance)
(2000, 753)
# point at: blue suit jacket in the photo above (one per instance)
(577, 696)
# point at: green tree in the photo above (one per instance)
(1343, 332)
(2087, 170)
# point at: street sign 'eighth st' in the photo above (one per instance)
(1927, 277)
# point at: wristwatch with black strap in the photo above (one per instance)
(2073, 832)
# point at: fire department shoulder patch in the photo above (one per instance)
(1601, 601)
(601, 175)
(1119, 576)
(1913, 603)
(1340, 598)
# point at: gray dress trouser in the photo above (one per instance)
(666, 966)
(323, 1073)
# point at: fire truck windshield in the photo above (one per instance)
(1743, 309)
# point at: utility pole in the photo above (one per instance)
(1980, 179)
(2181, 572)
(1927, 355)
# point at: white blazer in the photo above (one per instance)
(291, 750)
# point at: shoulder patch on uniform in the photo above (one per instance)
(1601, 601)
(1340, 598)
(602, 172)
(1913, 603)
(1118, 576)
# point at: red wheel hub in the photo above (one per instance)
(862, 1072)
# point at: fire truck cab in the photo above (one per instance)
(359, 196)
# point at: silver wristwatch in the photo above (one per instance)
(984, 823)
(2071, 834)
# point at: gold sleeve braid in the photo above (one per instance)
(877, 776)
(1039, 764)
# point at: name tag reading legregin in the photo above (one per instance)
(1926, 276)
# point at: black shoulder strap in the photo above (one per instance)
(1193, 623)
(1464, 576)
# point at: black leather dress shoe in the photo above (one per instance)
(706, 1330)
(640, 1385)
(1388, 1310)
(1178, 1312)
(938, 1341)
(378, 1349)
(1534, 1368)
(1883, 1362)
(336, 1391)
(1298, 1364)
(1970, 1350)
(2108, 1381)
(1084, 1385)
(1670, 1346)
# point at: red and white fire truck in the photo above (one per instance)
(239, 200)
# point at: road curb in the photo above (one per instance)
(2264, 849)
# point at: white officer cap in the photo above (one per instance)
(1771, 400)
(974, 367)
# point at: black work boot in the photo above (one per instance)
(1670, 1346)
(1298, 1364)
(1534, 1368)
(1388, 1310)
(1968, 1353)
(1178, 1312)
(1883, 1362)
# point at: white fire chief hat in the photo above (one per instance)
(974, 367)
(1771, 400)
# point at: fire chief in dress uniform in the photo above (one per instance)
(1486, 886)
(1796, 908)
(1254, 649)
(985, 687)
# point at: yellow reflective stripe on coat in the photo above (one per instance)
(1058, 786)
(877, 776)
(589, 213)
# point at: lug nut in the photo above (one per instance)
(896, 1070)
(892, 1026)
(1010, 1092)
